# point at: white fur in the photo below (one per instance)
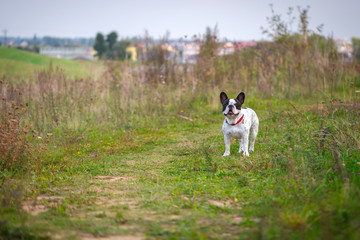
(242, 130)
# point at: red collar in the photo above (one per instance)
(237, 121)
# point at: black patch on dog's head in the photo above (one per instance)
(238, 104)
(224, 100)
(225, 103)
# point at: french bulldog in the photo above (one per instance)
(239, 123)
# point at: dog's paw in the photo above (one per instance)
(226, 154)
(246, 154)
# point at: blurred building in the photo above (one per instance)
(229, 47)
(68, 52)
(345, 49)
(131, 51)
(190, 52)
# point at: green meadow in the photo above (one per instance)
(21, 65)
(120, 150)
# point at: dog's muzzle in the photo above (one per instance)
(230, 112)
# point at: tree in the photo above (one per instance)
(99, 45)
(111, 39)
(304, 23)
(210, 45)
(356, 48)
(111, 48)
(119, 49)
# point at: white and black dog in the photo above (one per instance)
(239, 123)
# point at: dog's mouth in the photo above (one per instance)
(231, 113)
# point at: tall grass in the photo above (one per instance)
(294, 65)
(157, 86)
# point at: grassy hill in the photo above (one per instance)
(21, 65)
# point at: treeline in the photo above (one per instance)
(110, 47)
(33, 44)
(356, 48)
(47, 40)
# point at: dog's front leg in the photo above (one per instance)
(227, 140)
(241, 144)
(245, 144)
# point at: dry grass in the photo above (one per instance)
(14, 145)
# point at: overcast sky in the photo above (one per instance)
(236, 20)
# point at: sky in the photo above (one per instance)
(239, 20)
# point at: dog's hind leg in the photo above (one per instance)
(245, 145)
(254, 131)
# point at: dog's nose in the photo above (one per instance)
(231, 107)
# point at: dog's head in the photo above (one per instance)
(232, 107)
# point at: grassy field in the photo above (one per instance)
(137, 154)
(21, 65)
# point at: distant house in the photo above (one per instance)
(226, 49)
(246, 44)
(190, 52)
(229, 48)
(68, 52)
(345, 49)
(131, 51)
(24, 44)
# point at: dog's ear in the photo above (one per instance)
(223, 97)
(241, 98)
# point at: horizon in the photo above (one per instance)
(235, 20)
(154, 39)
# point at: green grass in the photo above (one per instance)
(22, 65)
(170, 181)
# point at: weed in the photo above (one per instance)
(14, 145)
(22, 232)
